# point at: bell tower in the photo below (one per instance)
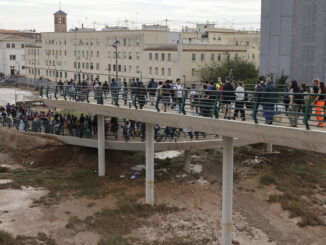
(60, 21)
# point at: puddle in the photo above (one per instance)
(167, 154)
(5, 181)
(10, 95)
(16, 214)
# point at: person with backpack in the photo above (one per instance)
(227, 98)
(296, 99)
(270, 100)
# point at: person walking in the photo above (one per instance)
(178, 94)
(295, 101)
(270, 100)
(239, 101)
(227, 98)
(320, 104)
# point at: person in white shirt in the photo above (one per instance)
(239, 101)
(178, 94)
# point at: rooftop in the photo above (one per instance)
(60, 12)
(13, 37)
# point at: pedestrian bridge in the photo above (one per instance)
(204, 113)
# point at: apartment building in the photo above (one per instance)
(12, 54)
(150, 52)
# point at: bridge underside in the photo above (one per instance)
(313, 140)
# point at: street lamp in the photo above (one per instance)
(115, 45)
(76, 72)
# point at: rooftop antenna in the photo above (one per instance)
(166, 22)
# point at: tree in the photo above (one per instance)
(237, 68)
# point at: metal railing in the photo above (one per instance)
(280, 108)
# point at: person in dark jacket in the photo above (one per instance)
(270, 100)
(228, 97)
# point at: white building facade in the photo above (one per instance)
(12, 55)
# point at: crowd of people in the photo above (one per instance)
(26, 119)
(215, 97)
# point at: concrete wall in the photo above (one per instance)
(293, 39)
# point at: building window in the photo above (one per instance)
(162, 71)
(66, 75)
(12, 57)
(156, 56)
(74, 64)
(129, 42)
(162, 56)
(119, 68)
(156, 70)
(137, 42)
(98, 54)
(253, 56)
(78, 64)
(169, 56)
(13, 45)
(150, 56)
(202, 57)
(130, 69)
(219, 57)
(113, 67)
(124, 68)
(130, 56)
(219, 38)
(212, 57)
(150, 70)
(8, 45)
(91, 66)
(124, 42)
(87, 66)
(137, 56)
(22, 45)
(193, 72)
(169, 72)
(97, 66)
(193, 57)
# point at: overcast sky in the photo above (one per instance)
(38, 14)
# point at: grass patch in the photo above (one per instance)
(41, 238)
(267, 180)
(113, 224)
(299, 174)
(60, 183)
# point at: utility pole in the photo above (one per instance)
(115, 45)
(34, 53)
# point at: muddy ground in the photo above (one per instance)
(50, 194)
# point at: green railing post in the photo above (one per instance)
(47, 92)
(158, 100)
(75, 94)
(306, 114)
(116, 102)
(215, 113)
(135, 99)
(183, 105)
(87, 95)
(65, 92)
(55, 92)
(255, 109)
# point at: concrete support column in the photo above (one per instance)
(269, 148)
(101, 145)
(187, 161)
(150, 164)
(227, 192)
